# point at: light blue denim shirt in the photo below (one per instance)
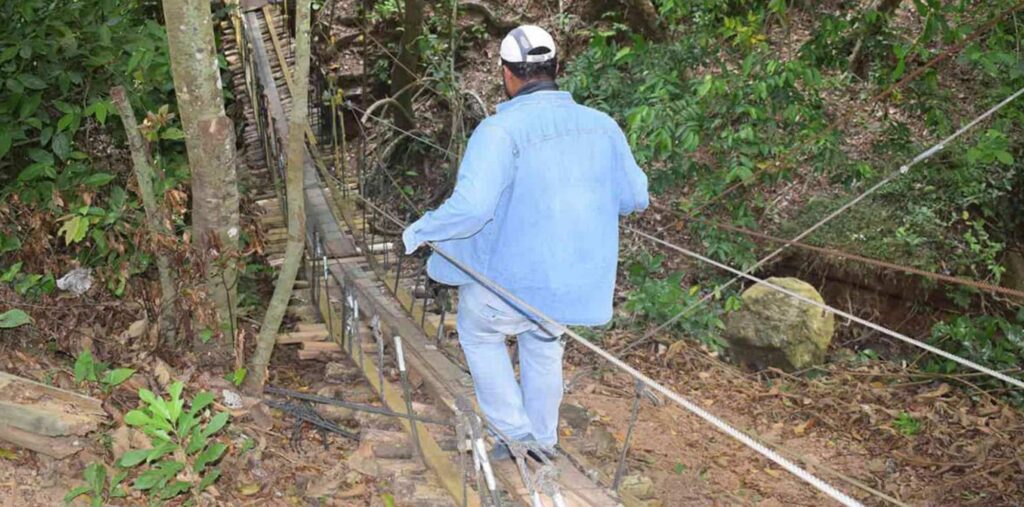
(536, 206)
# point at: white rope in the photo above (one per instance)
(882, 329)
(745, 439)
(924, 155)
(553, 327)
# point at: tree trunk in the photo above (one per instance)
(868, 30)
(144, 174)
(296, 205)
(210, 141)
(643, 17)
(404, 72)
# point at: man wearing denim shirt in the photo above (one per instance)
(535, 209)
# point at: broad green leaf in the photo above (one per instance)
(14, 318)
(61, 145)
(117, 376)
(216, 423)
(98, 179)
(175, 390)
(160, 451)
(96, 475)
(211, 476)
(174, 489)
(5, 142)
(85, 367)
(65, 121)
(210, 455)
(74, 230)
(147, 396)
(201, 401)
(133, 457)
(172, 134)
(195, 441)
(8, 276)
(137, 418)
(77, 492)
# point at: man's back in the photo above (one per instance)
(544, 181)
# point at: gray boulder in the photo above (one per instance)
(775, 329)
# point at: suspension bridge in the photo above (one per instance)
(383, 312)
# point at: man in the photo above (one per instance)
(535, 209)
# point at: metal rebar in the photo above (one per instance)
(621, 467)
(442, 301)
(407, 391)
(360, 407)
(308, 415)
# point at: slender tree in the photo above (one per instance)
(403, 73)
(155, 219)
(872, 23)
(210, 141)
(296, 204)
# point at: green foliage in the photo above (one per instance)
(906, 424)
(59, 61)
(992, 341)
(14, 317)
(184, 448)
(87, 369)
(97, 489)
(709, 128)
(658, 296)
(237, 377)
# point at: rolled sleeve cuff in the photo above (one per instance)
(409, 239)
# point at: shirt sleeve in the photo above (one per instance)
(633, 195)
(485, 173)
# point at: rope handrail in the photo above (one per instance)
(903, 169)
(552, 326)
(877, 327)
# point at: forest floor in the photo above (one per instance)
(837, 421)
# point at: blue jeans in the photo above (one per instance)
(518, 410)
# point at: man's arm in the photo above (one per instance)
(485, 172)
(632, 180)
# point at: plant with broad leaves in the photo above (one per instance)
(87, 369)
(14, 317)
(184, 450)
(97, 488)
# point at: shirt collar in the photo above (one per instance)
(537, 86)
(535, 97)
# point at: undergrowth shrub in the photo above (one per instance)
(992, 341)
(659, 296)
(65, 191)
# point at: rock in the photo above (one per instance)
(231, 399)
(775, 329)
(1013, 278)
(77, 281)
(637, 486)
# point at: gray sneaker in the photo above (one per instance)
(501, 452)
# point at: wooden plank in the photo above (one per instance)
(317, 335)
(321, 346)
(435, 458)
(303, 327)
(57, 447)
(46, 410)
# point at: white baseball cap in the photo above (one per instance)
(527, 44)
